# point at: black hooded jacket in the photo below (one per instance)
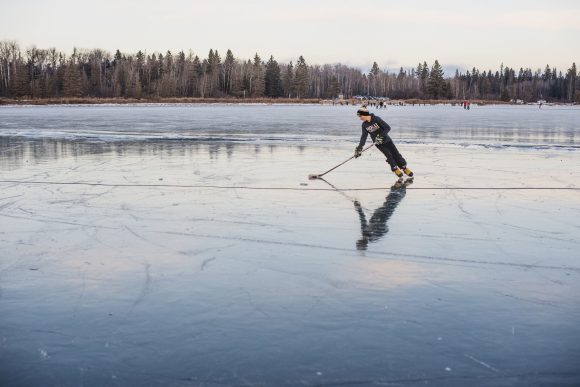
(375, 126)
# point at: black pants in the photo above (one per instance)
(394, 158)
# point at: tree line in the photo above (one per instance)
(49, 73)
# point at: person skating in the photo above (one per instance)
(378, 130)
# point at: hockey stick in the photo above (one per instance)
(312, 177)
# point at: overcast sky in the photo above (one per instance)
(460, 34)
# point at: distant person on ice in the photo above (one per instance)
(378, 130)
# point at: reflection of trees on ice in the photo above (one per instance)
(377, 227)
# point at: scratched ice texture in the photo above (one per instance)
(178, 245)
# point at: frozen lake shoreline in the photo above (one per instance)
(156, 278)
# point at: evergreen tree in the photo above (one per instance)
(217, 80)
(375, 69)
(257, 78)
(168, 65)
(374, 77)
(547, 73)
(118, 57)
(288, 82)
(180, 79)
(140, 64)
(571, 76)
(168, 86)
(301, 78)
(229, 64)
(436, 82)
(213, 74)
(273, 83)
(423, 77)
(419, 69)
(195, 75)
(72, 80)
(209, 74)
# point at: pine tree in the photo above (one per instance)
(375, 69)
(72, 80)
(571, 77)
(547, 73)
(212, 73)
(168, 87)
(257, 82)
(180, 79)
(436, 82)
(289, 81)
(118, 57)
(419, 69)
(301, 78)
(273, 83)
(423, 77)
(374, 77)
(195, 76)
(140, 68)
(218, 72)
(229, 63)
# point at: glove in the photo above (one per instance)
(357, 152)
(379, 140)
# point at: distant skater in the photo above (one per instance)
(378, 130)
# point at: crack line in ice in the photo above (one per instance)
(48, 220)
(416, 256)
(481, 362)
(275, 188)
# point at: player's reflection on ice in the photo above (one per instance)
(376, 227)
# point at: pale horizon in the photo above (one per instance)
(461, 36)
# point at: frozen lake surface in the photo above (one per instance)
(184, 245)
(499, 126)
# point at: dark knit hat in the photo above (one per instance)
(363, 111)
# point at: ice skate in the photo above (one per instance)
(408, 172)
